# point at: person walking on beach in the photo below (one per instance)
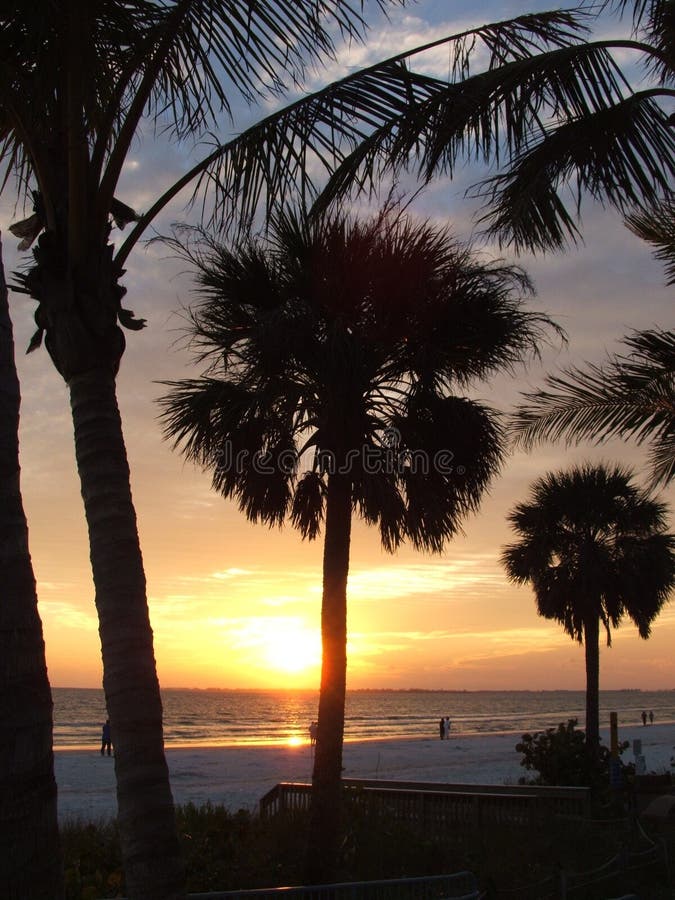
(441, 728)
(446, 728)
(106, 738)
(312, 734)
(651, 716)
(644, 717)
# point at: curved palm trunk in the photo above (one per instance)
(326, 812)
(30, 859)
(145, 806)
(592, 650)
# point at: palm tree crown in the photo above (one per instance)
(632, 396)
(595, 548)
(341, 345)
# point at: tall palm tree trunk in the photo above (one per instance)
(326, 812)
(30, 859)
(592, 650)
(145, 805)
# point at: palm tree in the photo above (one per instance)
(632, 396)
(560, 124)
(76, 79)
(337, 349)
(30, 864)
(594, 548)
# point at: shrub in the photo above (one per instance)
(560, 756)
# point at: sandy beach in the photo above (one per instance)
(238, 777)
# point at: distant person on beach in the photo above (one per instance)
(312, 733)
(651, 716)
(441, 728)
(106, 739)
(644, 717)
(446, 728)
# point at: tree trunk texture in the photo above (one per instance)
(592, 650)
(326, 817)
(30, 858)
(150, 849)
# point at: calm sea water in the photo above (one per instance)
(194, 717)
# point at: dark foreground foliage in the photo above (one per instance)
(560, 756)
(225, 850)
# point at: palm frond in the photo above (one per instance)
(632, 396)
(624, 154)
(656, 225)
(281, 155)
(308, 504)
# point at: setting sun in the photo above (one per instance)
(292, 647)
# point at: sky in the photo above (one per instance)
(236, 605)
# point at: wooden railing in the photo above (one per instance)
(437, 805)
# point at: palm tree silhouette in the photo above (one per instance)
(78, 76)
(561, 124)
(27, 785)
(631, 396)
(594, 548)
(338, 352)
(656, 225)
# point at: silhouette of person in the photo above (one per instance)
(644, 717)
(312, 733)
(651, 716)
(106, 738)
(441, 728)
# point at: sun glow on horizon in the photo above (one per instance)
(291, 647)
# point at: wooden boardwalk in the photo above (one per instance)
(436, 806)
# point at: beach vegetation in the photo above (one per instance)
(338, 356)
(595, 548)
(559, 756)
(632, 395)
(238, 850)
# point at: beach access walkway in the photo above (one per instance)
(436, 805)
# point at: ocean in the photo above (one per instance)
(195, 718)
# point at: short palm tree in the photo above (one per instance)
(594, 548)
(337, 349)
(632, 396)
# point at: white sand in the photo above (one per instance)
(239, 776)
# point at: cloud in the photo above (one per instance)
(60, 614)
(414, 579)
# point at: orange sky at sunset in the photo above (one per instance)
(235, 605)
